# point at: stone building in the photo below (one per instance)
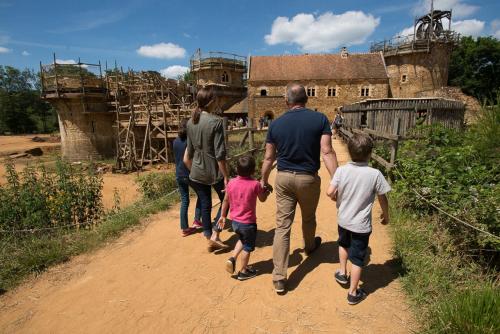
(419, 62)
(331, 80)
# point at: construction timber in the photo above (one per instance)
(149, 109)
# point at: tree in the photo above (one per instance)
(21, 108)
(475, 67)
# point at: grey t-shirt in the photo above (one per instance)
(206, 146)
(357, 185)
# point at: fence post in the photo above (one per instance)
(394, 144)
(251, 143)
(226, 135)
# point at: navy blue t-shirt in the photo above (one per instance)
(179, 149)
(297, 137)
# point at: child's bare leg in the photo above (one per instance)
(245, 257)
(237, 249)
(343, 255)
(355, 277)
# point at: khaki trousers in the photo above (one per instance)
(292, 189)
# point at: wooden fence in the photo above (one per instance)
(393, 140)
(248, 137)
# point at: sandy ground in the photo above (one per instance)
(124, 183)
(20, 144)
(152, 280)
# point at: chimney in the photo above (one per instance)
(344, 53)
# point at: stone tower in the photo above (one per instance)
(419, 62)
(78, 93)
(224, 72)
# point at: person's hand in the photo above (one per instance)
(221, 223)
(333, 195)
(384, 220)
(268, 188)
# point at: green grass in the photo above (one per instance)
(449, 291)
(32, 254)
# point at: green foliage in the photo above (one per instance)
(447, 289)
(37, 199)
(457, 171)
(157, 184)
(468, 312)
(450, 270)
(21, 108)
(475, 67)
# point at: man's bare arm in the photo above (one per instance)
(267, 164)
(329, 155)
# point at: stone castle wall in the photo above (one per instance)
(273, 105)
(415, 72)
(87, 135)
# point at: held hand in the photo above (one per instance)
(221, 223)
(384, 220)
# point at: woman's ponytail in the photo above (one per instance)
(204, 97)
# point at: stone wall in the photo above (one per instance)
(85, 135)
(347, 92)
(414, 72)
(214, 75)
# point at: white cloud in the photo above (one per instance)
(174, 71)
(471, 27)
(324, 32)
(459, 8)
(68, 62)
(25, 53)
(405, 32)
(4, 50)
(162, 51)
(495, 28)
(65, 61)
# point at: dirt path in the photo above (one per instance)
(154, 281)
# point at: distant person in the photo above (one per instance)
(296, 139)
(241, 197)
(338, 121)
(206, 158)
(182, 178)
(354, 187)
(261, 123)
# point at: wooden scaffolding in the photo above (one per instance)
(149, 109)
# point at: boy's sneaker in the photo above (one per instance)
(250, 273)
(358, 298)
(197, 223)
(280, 287)
(230, 265)
(341, 278)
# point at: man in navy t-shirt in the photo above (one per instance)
(296, 140)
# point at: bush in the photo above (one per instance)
(157, 184)
(458, 172)
(36, 199)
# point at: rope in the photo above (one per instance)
(33, 230)
(446, 213)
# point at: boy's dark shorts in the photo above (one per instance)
(247, 234)
(356, 243)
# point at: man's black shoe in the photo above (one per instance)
(317, 243)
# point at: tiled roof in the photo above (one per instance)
(317, 66)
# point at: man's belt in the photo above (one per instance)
(301, 172)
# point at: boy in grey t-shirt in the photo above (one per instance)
(354, 187)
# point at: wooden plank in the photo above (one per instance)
(380, 134)
(382, 161)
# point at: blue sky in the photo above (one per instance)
(157, 35)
